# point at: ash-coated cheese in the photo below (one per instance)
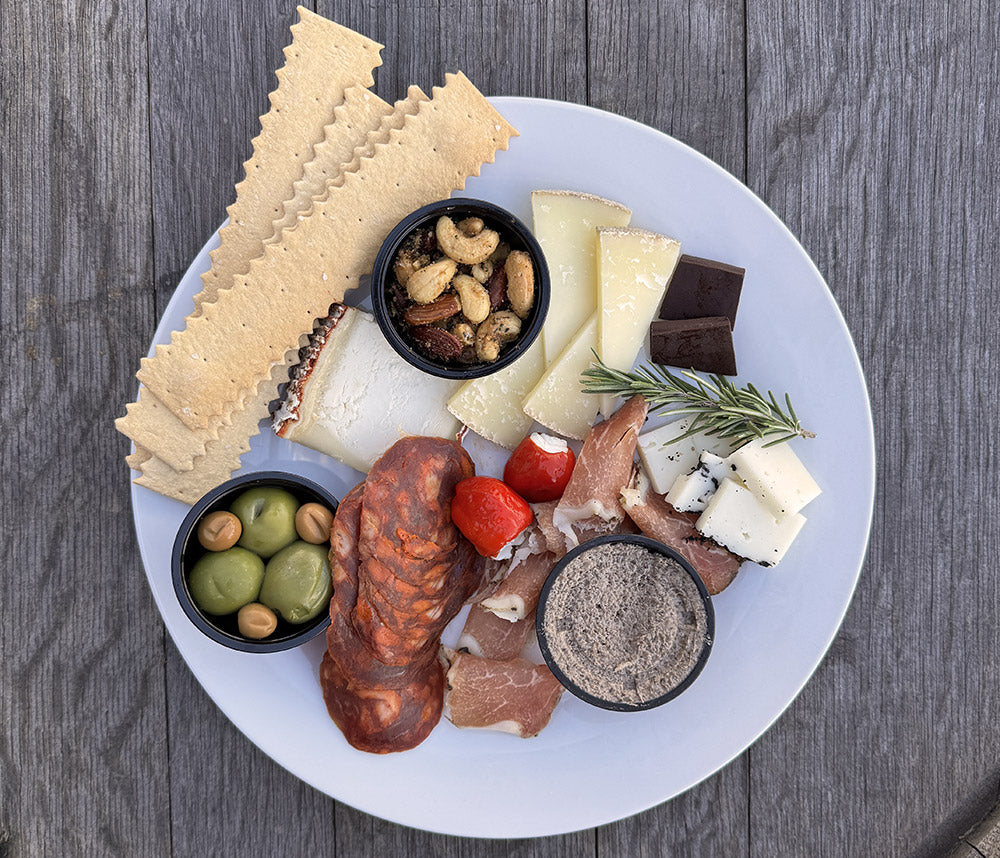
(665, 459)
(736, 519)
(565, 224)
(775, 475)
(692, 492)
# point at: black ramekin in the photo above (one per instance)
(520, 238)
(187, 550)
(652, 545)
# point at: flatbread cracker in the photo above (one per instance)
(322, 63)
(232, 346)
(336, 151)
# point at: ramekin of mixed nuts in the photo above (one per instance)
(460, 288)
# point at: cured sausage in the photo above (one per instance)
(400, 572)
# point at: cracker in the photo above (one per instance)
(221, 457)
(336, 150)
(135, 459)
(232, 346)
(322, 63)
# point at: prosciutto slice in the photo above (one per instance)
(516, 596)
(657, 519)
(514, 696)
(590, 505)
(486, 634)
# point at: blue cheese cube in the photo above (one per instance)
(735, 518)
(691, 492)
(775, 476)
(666, 459)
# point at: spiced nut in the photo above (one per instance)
(425, 284)
(520, 282)
(464, 332)
(471, 226)
(483, 271)
(475, 298)
(469, 250)
(437, 310)
(436, 343)
(496, 331)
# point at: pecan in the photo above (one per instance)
(436, 343)
(497, 287)
(438, 310)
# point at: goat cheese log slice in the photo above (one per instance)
(514, 696)
(657, 519)
(591, 500)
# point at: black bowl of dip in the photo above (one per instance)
(187, 550)
(388, 298)
(625, 623)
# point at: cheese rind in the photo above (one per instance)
(557, 400)
(775, 475)
(565, 224)
(739, 521)
(361, 397)
(491, 406)
(634, 267)
(666, 459)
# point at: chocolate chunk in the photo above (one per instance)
(703, 287)
(705, 344)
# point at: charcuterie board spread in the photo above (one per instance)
(274, 341)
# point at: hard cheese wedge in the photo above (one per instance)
(666, 459)
(557, 401)
(775, 475)
(491, 406)
(565, 226)
(634, 267)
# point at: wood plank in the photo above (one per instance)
(211, 68)
(867, 124)
(81, 683)
(678, 67)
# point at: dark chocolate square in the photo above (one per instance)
(701, 288)
(703, 344)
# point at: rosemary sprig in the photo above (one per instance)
(720, 408)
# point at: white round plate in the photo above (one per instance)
(590, 766)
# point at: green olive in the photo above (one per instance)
(222, 582)
(297, 582)
(268, 519)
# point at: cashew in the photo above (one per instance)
(482, 271)
(430, 281)
(469, 250)
(475, 298)
(520, 282)
(465, 332)
(406, 264)
(499, 328)
(471, 226)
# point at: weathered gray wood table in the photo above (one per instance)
(872, 129)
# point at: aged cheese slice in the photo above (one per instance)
(739, 521)
(356, 397)
(692, 492)
(775, 475)
(633, 269)
(557, 401)
(666, 459)
(565, 224)
(491, 406)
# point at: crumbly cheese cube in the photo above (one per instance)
(739, 521)
(691, 492)
(633, 269)
(565, 224)
(491, 406)
(666, 459)
(775, 475)
(557, 401)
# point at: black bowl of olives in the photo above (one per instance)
(250, 563)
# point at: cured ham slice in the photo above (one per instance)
(516, 596)
(514, 696)
(486, 634)
(657, 519)
(591, 500)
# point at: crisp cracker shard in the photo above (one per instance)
(323, 61)
(226, 352)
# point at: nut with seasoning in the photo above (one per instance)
(460, 288)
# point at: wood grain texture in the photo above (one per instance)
(81, 673)
(872, 133)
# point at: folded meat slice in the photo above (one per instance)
(657, 519)
(486, 634)
(514, 696)
(516, 596)
(602, 469)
